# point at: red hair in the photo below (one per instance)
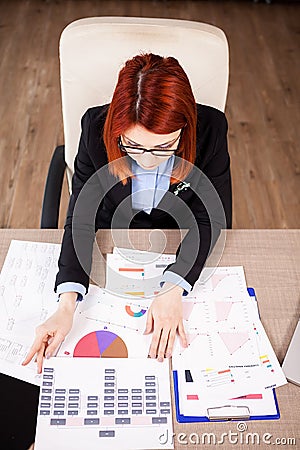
(155, 92)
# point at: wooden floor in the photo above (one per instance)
(262, 108)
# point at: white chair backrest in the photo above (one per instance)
(93, 50)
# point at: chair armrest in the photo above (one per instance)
(53, 187)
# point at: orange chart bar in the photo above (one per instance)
(139, 294)
(130, 269)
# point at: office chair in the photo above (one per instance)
(92, 52)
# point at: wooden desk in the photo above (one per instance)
(271, 259)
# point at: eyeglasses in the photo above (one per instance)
(140, 150)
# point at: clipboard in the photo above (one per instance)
(225, 412)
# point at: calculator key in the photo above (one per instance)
(73, 405)
(60, 391)
(74, 391)
(44, 412)
(136, 405)
(151, 391)
(48, 369)
(109, 412)
(137, 411)
(59, 405)
(59, 412)
(45, 397)
(150, 411)
(109, 405)
(123, 391)
(89, 421)
(136, 397)
(123, 405)
(150, 377)
(150, 383)
(165, 411)
(107, 433)
(92, 412)
(122, 420)
(109, 397)
(47, 377)
(58, 422)
(150, 405)
(109, 377)
(159, 420)
(45, 405)
(122, 397)
(164, 404)
(122, 411)
(109, 385)
(73, 413)
(109, 391)
(109, 371)
(46, 391)
(74, 398)
(92, 397)
(59, 398)
(47, 383)
(136, 391)
(150, 397)
(92, 405)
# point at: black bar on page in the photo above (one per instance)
(188, 376)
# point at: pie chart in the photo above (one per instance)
(101, 344)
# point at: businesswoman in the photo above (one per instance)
(153, 140)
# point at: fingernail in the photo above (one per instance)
(168, 355)
(160, 359)
(48, 355)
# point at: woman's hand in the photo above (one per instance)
(165, 318)
(51, 333)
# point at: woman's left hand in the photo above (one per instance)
(165, 319)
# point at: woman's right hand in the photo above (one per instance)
(51, 333)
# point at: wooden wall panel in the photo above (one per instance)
(262, 107)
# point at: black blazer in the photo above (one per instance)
(183, 210)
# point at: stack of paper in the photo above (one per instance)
(229, 359)
(229, 355)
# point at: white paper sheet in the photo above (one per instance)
(26, 299)
(115, 321)
(131, 273)
(92, 403)
(192, 403)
